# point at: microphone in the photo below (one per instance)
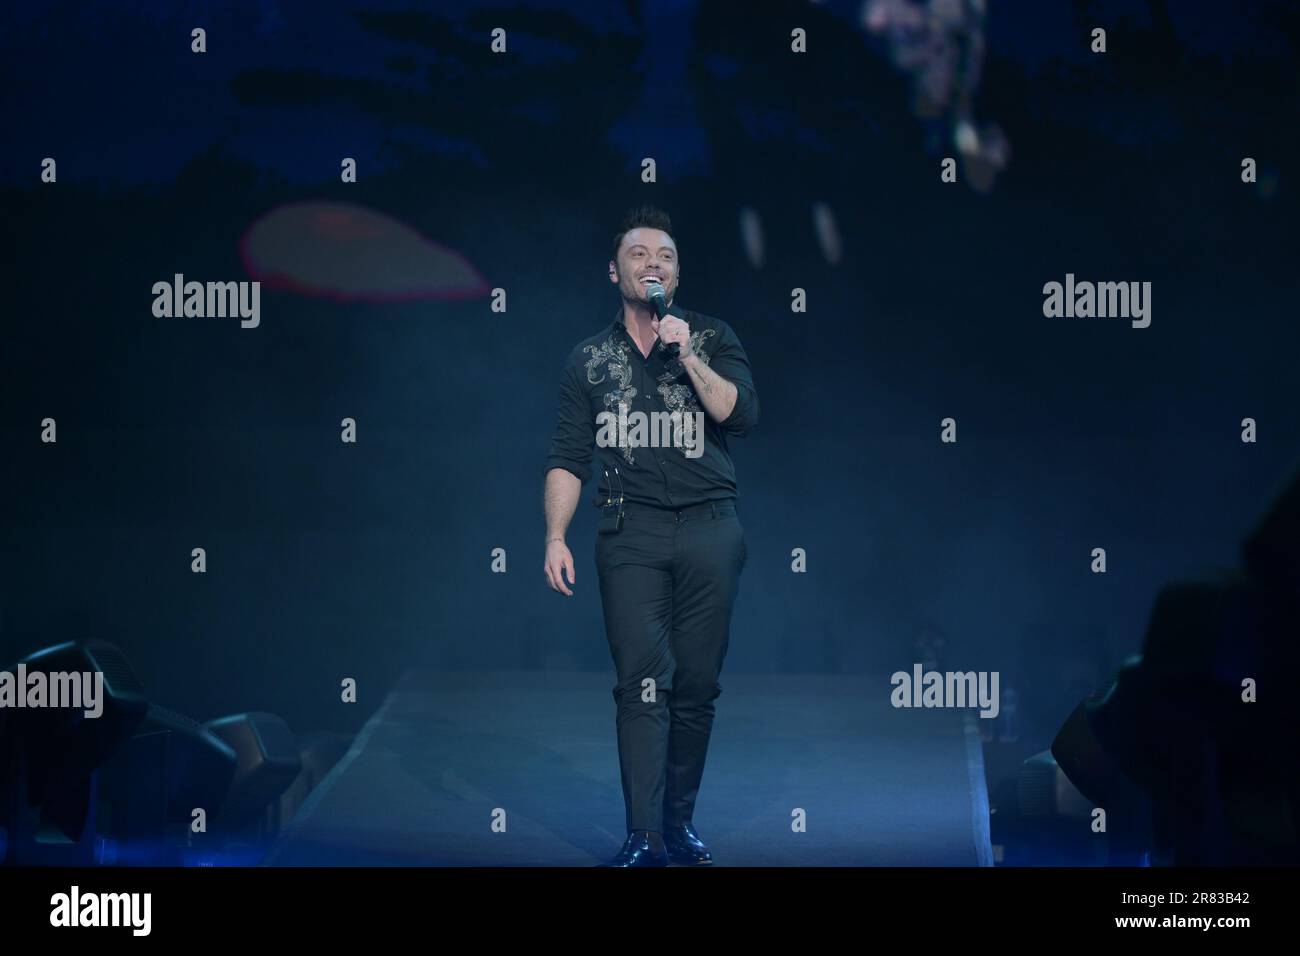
(655, 293)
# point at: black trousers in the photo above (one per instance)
(668, 583)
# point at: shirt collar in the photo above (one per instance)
(618, 319)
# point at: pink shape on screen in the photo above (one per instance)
(349, 253)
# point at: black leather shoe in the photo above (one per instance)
(684, 846)
(638, 851)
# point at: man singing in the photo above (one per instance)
(670, 546)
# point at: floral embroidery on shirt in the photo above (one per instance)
(678, 397)
(615, 354)
(619, 401)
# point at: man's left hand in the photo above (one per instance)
(672, 329)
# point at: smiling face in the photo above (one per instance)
(645, 254)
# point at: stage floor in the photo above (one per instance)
(880, 786)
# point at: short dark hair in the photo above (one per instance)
(642, 217)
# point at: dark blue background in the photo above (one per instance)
(328, 560)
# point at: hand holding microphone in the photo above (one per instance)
(674, 333)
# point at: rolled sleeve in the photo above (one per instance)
(575, 431)
(730, 361)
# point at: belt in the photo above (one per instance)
(707, 509)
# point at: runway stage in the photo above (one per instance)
(880, 786)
